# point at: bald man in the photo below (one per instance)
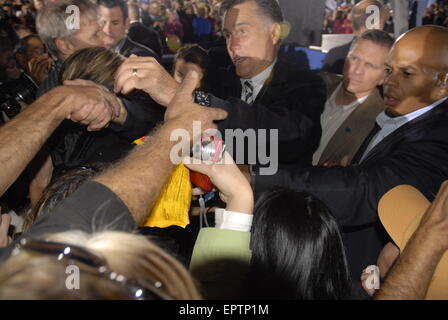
(409, 145)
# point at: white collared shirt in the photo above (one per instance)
(257, 82)
(390, 124)
(332, 118)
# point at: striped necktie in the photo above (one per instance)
(249, 89)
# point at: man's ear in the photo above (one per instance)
(276, 33)
(442, 83)
(443, 80)
(65, 47)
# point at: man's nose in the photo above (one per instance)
(107, 28)
(390, 79)
(102, 38)
(357, 68)
(234, 42)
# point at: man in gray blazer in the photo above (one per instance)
(353, 100)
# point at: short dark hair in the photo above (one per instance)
(115, 3)
(269, 8)
(379, 37)
(297, 249)
(195, 54)
(23, 43)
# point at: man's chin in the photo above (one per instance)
(392, 112)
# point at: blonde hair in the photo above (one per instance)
(33, 275)
(97, 64)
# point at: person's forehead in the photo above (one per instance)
(114, 13)
(34, 42)
(407, 54)
(366, 45)
(246, 12)
(89, 24)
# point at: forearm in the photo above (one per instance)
(22, 137)
(140, 177)
(242, 202)
(410, 277)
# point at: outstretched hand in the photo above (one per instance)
(234, 189)
(145, 73)
(100, 108)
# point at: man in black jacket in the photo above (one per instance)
(264, 92)
(115, 22)
(409, 145)
(265, 96)
(142, 34)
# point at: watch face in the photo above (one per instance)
(202, 98)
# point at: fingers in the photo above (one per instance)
(197, 165)
(103, 118)
(125, 81)
(96, 116)
(197, 191)
(344, 161)
(187, 87)
(5, 222)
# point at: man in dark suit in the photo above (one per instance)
(142, 34)
(335, 58)
(264, 92)
(409, 145)
(115, 22)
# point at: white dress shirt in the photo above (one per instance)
(257, 82)
(331, 119)
(390, 124)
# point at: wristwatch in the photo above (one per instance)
(202, 98)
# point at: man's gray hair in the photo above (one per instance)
(268, 8)
(51, 22)
(378, 37)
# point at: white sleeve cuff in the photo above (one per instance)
(231, 220)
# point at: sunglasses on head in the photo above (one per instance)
(96, 265)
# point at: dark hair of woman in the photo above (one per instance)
(297, 249)
(58, 190)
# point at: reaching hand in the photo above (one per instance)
(343, 163)
(435, 221)
(98, 111)
(234, 189)
(39, 67)
(145, 73)
(186, 112)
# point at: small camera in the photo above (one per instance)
(206, 150)
(209, 150)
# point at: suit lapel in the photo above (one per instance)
(402, 131)
(355, 128)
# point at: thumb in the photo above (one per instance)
(197, 165)
(187, 86)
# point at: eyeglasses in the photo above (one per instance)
(97, 266)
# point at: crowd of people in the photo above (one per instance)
(322, 191)
(339, 19)
(436, 14)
